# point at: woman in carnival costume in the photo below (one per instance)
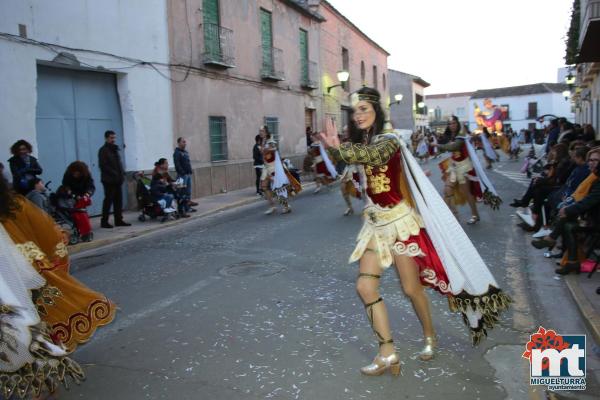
(45, 313)
(277, 183)
(323, 168)
(407, 223)
(464, 178)
(489, 153)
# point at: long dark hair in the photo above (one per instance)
(8, 201)
(379, 113)
(14, 149)
(81, 167)
(448, 133)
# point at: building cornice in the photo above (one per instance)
(354, 27)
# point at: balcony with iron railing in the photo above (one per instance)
(309, 75)
(272, 64)
(218, 46)
(589, 31)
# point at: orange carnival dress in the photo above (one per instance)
(72, 310)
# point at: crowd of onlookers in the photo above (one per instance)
(561, 206)
(68, 204)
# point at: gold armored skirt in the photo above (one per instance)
(389, 232)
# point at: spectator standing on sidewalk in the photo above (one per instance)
(183, 166)
(258, 162)
(112, 177)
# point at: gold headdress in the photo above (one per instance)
(356, 97)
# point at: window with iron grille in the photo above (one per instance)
(346, 67)
(363, 73)
(217, 129)
(532, 111)
(272, 124)
(375, 76)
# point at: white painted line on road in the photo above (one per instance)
(515, 177)
(124, 322)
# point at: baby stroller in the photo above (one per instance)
(60, 211)
(147, 206)
(295, 172)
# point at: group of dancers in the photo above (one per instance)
(408, 224)
(45, 313)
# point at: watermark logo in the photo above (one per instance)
(556, 361)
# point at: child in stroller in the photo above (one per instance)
(71, 215)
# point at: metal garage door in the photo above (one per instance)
(74, 109)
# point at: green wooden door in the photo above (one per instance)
(212, 44)
(303, 57)
(266, 42)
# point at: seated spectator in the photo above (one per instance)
(38, 196)
(23, 166)
(78, 181)
(589, 134)
(176, 188)
(555, 174)
(159, 190)
(587, 202)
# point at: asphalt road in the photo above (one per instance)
(245, 306)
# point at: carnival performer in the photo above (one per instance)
(422, 148)
(277, 183)
(72, 311)
(464, 178)
(515, 146)
(407, 223)
(489, 154)
(433, 150)
(36, 287)
(353, 177)
(324, 170)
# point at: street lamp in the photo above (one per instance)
(343, 77)
(421, 104)
(397, 99)
(566, 94)
(570, 79)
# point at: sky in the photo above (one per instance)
(466, 45)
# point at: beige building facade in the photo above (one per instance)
(345, 47)
(242, 64)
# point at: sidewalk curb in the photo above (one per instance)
(97, 244)
(591, 316)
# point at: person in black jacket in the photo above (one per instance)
(23, 166)
(79, 179)
(258, 162)
(567, 224)
(112, 177)
(183, 166)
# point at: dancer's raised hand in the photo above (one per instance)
(330, 137)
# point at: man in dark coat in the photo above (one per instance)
(183, 166)
(112, 177)
(258, 162)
